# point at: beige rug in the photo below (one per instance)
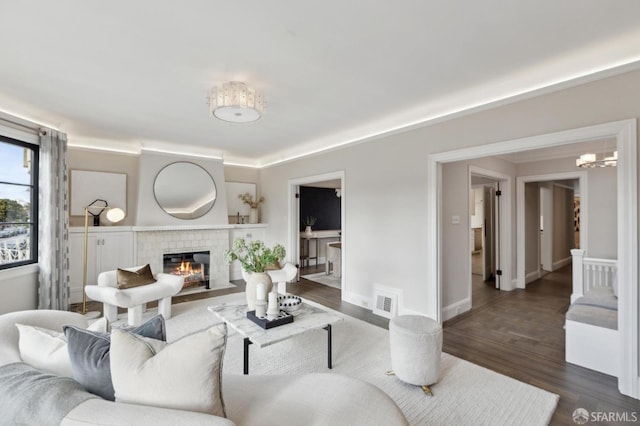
(466, 394)
(322, 278)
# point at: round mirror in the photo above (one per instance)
(184, 190)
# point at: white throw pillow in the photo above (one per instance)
(183, 375)
(44, 349)
(47, 349)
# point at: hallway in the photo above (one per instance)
(521, 334)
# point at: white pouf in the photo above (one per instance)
(416, 347)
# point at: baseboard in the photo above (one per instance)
(357, 299)
(561, 263)
(456, 309)
(531, 277)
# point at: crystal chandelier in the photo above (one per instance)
(593, 160)
(236, 102)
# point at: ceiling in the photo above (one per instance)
(131, 75)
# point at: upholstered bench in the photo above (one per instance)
(416, 348)
(591, 328)
(136, 298)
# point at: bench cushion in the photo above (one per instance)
(597, 307)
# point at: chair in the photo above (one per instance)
(334, 259)
(135, 298)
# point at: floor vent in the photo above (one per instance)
(386, 302)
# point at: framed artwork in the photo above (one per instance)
(87, 186)
(235, 204)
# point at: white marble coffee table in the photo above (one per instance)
(305, 319)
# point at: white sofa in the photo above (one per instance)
(320, 399)
(136, 298)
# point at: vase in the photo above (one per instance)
(252, 282)
(253, 215)
(307, 230)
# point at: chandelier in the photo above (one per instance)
(236, 102)
(593, 160)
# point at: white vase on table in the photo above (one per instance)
(253, 278)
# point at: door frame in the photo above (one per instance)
(293, 217)
(502, 213)
(520, 231)
(624, 132)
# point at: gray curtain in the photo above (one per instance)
(53, 222)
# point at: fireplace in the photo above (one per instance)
(193, 266)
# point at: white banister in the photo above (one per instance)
(591, 272)
(577, 279)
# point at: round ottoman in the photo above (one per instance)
(416, 346)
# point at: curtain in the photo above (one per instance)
(53, 222)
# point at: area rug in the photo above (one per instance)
(466, 394)
(322, 278)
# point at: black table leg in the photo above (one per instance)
(247, 342)
(329, 363)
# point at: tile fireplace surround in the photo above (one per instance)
(151, 243)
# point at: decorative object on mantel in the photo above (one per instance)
(255, 258)
(236, 102)
(309, 221)
(113, 215)
(248, 199)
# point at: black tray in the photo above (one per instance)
(283, 318)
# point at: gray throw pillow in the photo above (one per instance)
(90, 359)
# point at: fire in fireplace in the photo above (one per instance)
(193, 266)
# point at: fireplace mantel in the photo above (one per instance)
(195, 227)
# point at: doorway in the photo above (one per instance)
(485, 229)
(484, 226)
(624, 133)
(547, 230)
(319, 202)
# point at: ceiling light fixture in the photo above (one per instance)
(236, 102)
(592, 160)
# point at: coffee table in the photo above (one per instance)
(306, 318)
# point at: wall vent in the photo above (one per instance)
(385, 302)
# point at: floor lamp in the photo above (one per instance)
(114, 215)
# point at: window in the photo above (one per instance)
(18, 203)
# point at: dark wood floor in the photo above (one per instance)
(519, 334)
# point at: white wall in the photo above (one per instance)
(602, 217)
(148, 211)
(385, 184)
(99, 161)
(385, 206)
(19, 289)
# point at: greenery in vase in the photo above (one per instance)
(254, 256)
(310, 220)
(248, 199)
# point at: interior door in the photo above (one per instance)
(488, 243)
(546, 228)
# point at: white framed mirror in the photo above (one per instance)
(184, 190)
